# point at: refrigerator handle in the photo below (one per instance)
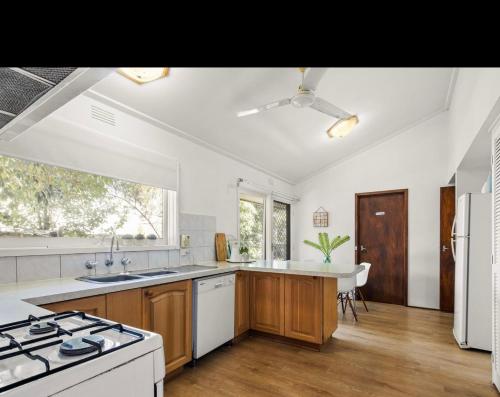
(452, 243)
(453, 234)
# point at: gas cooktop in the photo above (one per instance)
(39, 346)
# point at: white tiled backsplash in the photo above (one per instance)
(201, 228)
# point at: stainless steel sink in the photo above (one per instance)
(117, 278)
(110, 279)
(157, 273)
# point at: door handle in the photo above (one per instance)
(444, 248)
(362, 249)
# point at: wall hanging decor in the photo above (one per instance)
(320, 218)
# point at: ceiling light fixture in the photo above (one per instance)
(342, 127)
(144, 75)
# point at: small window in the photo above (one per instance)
(252, 225)
(41, 204)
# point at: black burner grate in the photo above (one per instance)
(16, 349)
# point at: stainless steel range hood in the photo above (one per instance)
(27, 95)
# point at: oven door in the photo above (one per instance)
(135, 378)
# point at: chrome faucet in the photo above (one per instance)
(110, 261)
(91, 264)
(125, 263)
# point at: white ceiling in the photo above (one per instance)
(287, 142)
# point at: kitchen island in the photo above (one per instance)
(291, 301)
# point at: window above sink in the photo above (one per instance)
(47, 206)
(75, 178)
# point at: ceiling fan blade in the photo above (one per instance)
(312, 76)
(327, 108)
(263, 108)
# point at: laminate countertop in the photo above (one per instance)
(18, 300)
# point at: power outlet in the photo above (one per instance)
(185, 241)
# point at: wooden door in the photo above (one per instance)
(167, 311)
(303, 308)
(125, 307)
(242, 303)
(382, 240)
(267, 302)
(94, 306)
(446, 262)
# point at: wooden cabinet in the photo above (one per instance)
(242, 303)
(267, 305)
(125, 307)
(297, 307)
(303, 308)
(167, 311)
(329, 318)
(94, 306)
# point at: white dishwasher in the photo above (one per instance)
(213, 319)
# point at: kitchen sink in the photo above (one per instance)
(110, 279)
(157, 273)
(117, 278)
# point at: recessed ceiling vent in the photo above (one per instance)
(102, 115)
(29, 94)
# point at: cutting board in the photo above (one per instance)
(220, 247)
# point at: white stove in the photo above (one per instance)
(73, 354)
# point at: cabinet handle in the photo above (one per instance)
(148, 294)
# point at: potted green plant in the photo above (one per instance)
(244, 252)
(326, 246)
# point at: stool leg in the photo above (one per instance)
(362, 298)
(352, 307)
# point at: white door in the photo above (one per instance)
(461, 263)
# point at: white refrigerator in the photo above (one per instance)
(471, 245)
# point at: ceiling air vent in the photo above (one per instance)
(29, 94)
(102, 115)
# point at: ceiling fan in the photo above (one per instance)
(306, 97)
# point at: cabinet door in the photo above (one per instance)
(94, 306)
(167, 311)
(303, 308)
(125, 307)
(242, 303)
(267, 302)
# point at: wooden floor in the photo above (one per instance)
(392, 351)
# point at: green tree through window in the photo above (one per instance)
(38, 200)
(252, 227)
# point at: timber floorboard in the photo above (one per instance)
(392, 351)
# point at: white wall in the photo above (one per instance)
(415, 160)
(476, 93)
(207, 179)
(470, 180)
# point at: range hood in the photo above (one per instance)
(27, 95)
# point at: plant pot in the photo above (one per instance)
(327, 259)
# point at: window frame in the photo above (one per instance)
(26, 246)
